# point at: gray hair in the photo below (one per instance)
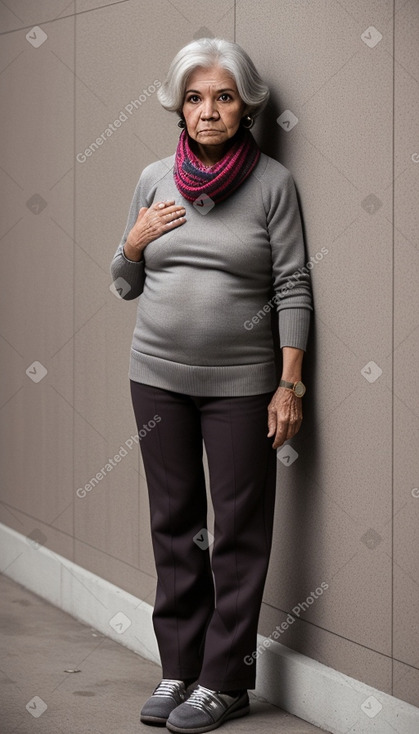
(206, 52)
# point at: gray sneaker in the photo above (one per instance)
(206, 710)
(168, 694)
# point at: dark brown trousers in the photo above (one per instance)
(207, 605)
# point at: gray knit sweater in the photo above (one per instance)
(207, 288)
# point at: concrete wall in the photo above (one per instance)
(347, 508)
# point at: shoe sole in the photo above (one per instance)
(153, 720)
(201, 729)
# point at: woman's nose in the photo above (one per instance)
(209, 109)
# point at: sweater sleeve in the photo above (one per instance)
(127, 275)
(291, 277)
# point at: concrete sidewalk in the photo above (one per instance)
(41, 646)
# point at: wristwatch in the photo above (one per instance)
(297, 387)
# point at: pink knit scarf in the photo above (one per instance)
(219, 181)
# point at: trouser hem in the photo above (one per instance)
(230, 684)
(177, 675)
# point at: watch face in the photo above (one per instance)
(299, 389)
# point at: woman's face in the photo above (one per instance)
(212, 107)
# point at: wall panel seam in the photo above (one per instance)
(392, 355)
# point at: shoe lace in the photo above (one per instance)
(169, 688)
(203, 698)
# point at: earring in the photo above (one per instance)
(181, 123)
(247, 122)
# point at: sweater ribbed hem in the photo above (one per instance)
(204, 381)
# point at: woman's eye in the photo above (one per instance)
(194, 98)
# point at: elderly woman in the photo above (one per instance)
(212, 245)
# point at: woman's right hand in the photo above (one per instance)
(151, 223)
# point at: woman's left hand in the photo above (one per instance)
(285, 415)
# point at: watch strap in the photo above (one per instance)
(298, 387)
(284, 383)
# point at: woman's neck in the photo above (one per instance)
(209, 155)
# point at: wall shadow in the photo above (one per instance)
(304, 478)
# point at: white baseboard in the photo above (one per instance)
(302, 686)
(81, 593)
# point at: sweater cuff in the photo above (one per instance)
(132, 274)
(127, 260)
(294, 324)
